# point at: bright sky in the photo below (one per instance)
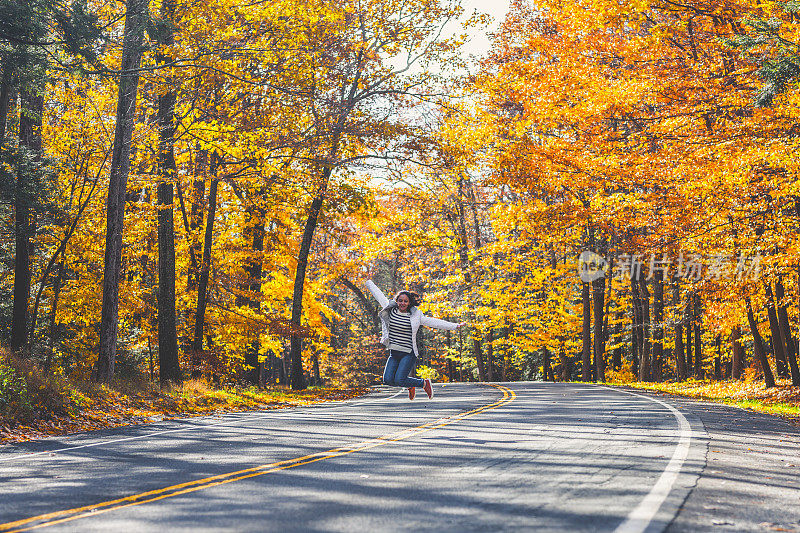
(479, 43)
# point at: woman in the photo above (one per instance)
(400, 321)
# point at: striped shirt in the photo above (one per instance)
(400, 331)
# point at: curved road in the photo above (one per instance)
(513, 456)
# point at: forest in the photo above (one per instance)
(198, 190)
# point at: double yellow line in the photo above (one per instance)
(58, 517)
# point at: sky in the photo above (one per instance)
(479, 43)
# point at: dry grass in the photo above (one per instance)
(748, 393)
(34, 406)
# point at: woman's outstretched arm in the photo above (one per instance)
(439, 324)
(383, 301)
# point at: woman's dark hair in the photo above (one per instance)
(413, 297)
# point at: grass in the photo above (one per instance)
(35, 405)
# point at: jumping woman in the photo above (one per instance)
(400, 321)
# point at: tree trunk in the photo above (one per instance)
(680, 357)
(787, 339)
(718, 359)
(490, 355)
(30, 137)
(758, 346)
(135, 21)
(566, 370)
(450, 368)
(688, 316)
(477, 353)
(255, 273)
(169, 369)
(203, 162)
(598, 302)
(644, 364)
(317, 377)
(586, 333)
(205, 270)
(778, 346)
(507, 336)
(169, 366)
(658, 330)
(636, 327)
(698, 338)
(298, 380)
(737, 353)
(54, 313)
(616, 357)
(547, 371)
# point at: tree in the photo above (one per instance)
(351, 82)
(133, 39)
(169, 369)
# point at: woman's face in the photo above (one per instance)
(403, 303)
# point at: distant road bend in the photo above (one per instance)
(514, 456)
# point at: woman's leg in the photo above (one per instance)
(390, 370)
(404, 368)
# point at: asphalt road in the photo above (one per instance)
(517, 456)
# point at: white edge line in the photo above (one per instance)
(158, 433)
(639, 519)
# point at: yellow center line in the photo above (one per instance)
(67, 515)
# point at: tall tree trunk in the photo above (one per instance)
(758, 346)
(644, 364)
(548, 372)
(205, 270)
(203, 163)
(315, 369)
(778, 346)
(477, 353)
(296, 353)
(490, 355)
(507, 335)
(169, 367)
(658, 329)
(53, 314)
(689, 323)
(737, 353)
(255, 273)
(598, 303)
(450, 368)
(680, 356)
(636, 327)
(616, 357)
(788, 341)
(135, 21)
(566, 370)
(586, 333)
(698, 337)
(718, 358)
(30, 137)
(463, 249)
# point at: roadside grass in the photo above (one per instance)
(748, 393)
(35, 405)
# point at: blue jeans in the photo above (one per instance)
(398, 367)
